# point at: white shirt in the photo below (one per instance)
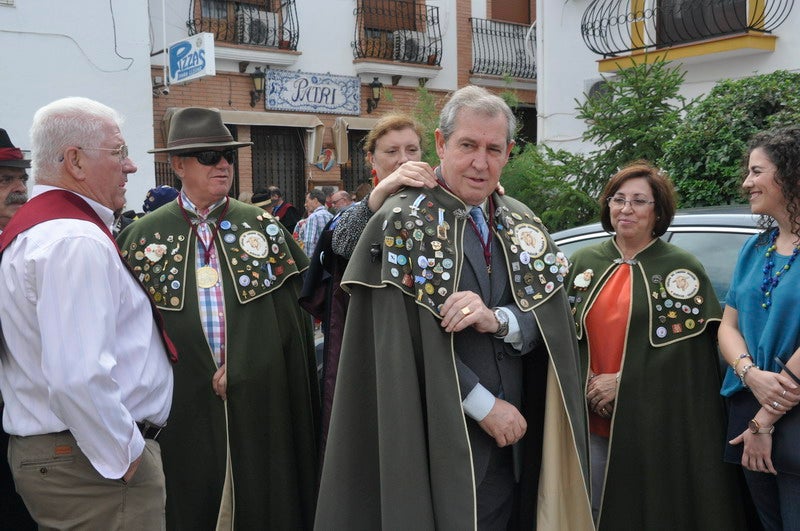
(82, 351)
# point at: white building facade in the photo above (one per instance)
(580, 41)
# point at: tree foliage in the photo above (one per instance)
(632, 117)
(427, 116)
(706, 153)
(541, 178)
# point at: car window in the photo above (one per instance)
(717, 251)
(571, 247)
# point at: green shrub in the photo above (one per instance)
(705, 156)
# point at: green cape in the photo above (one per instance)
(270, 417)
(398, 453)
(665, 468)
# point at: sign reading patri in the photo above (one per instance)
(321, 93)
(192, 58)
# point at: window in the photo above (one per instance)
(518, 11)
(389, 15)
(717, 251)
(356, 170)
(681, 21)
(279, 160)
(214, 9)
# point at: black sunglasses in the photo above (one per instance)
(212, 158)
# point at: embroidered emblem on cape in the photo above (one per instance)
(421, 251)
(257, 261)
(155, 251)
(583, 280)
(531, 239)
(254, 243)
(682, 284)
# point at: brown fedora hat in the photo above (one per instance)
(195, 128)
(10, 155)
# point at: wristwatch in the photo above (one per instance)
(502, 318)
(756, 428)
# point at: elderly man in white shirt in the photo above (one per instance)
(85, 369)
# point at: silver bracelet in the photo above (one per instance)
(744, 373)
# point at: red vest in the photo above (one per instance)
(61, 204)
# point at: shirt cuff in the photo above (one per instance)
(479, 403)
(514, 336)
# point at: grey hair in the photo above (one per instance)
(319, 195)
(478, 100)
(63, 123)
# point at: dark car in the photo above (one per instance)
(713, 234)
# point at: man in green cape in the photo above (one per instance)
(240, 447)
(458, 403)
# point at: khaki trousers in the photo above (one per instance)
(62, 490)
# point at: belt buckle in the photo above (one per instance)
(145, 428)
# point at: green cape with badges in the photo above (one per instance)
(665, 468)
(398, 453)
(266, 477)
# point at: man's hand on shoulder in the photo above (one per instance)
(504, 423)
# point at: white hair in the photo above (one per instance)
(63, 123)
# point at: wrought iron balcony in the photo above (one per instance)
(398, 30)
(503, 48)
(614, 27)
(267, 24)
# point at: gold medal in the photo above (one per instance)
(206, 277)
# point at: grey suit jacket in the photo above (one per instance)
(483, 358)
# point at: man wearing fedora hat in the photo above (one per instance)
(13, 194)
(240, 448)
(85, 373)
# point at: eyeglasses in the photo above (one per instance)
(212, 158)
(620, 202)
(121, 152)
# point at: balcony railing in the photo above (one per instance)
(614, 27)
(503, 49)
(267, 24)
(398, 30)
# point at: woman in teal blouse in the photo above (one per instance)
(760, 325)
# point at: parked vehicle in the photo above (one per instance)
(713, 234)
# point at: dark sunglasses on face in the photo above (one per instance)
(212, 158)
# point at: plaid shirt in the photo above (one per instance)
(314, 224)
(210, 300)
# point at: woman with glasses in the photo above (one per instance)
(393, 150)
(646, 318)
(760, 332)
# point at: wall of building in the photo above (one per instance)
(100, 51)
(327, 31)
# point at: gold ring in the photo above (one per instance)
(783, 393)
(465, 310)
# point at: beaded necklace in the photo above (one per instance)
(770, 282)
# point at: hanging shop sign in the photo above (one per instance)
(192, 58)
(318, 93)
